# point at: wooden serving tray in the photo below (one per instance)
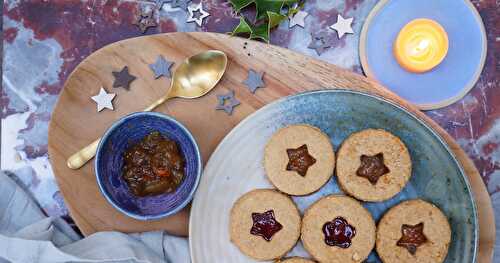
(75, 122)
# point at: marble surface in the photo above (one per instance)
(43, 41)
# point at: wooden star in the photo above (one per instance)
(197, 14)
(145, 20)
(412, 237)
(342, 26)
(298, 19)
(254, 81)
(299, 160)
(227, 102)
(103, 100)
(161, 67)
(372, 167)
(320, 42)
(123, 78)
(265, 225)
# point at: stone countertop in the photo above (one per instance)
(43, 41)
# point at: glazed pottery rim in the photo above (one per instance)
(380, 99)
(185, 132)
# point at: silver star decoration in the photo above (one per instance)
(298, 19)
(254, 81)
(104, 100)
(161, 67)
(197, 14)
(227, 102)
(320, 42)
(343, 26)
(180, 3)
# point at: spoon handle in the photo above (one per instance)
(80, 158)
(77, 160)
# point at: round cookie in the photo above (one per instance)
(426, 237)
(264, 224)
(295, 260)
(299, 159)
(373, 165)
(338, 229)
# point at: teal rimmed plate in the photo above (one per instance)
(235, 168)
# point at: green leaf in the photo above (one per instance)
(240, 4)
(275, 19)
(263, 6)
(263, 31)
(242, 28)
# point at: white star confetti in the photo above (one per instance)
(343, 26)
(298, 19)
(104, 100)
(197, 14)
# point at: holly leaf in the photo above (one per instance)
(240, 4)
(275, 6)
(242, 28)
(263, 31)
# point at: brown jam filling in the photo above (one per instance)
(299, 160)
(265, 225)
(338, 233)
(412, 237)
(372, 167)
(153, 166)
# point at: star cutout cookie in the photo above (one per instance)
(254, 81)
(196, 14)
(227, 102)
(123, 78)
(299, 160)
(372, 167)
(103, 100)
(320, 42)
(343, 26)
(412, 237)
(298, 19)
(161, 67)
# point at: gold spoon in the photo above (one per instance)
(193, 78)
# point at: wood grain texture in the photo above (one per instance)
(75, 122)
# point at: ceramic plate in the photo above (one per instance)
(235, 168)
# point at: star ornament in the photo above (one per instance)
(197, 14)
(123, 78)
(412, 237)
(265, 225)
(227, 102)
(343, 26)
(144, 20)
(161, 67)
(254, 81)
(320, 42)
(298, 19)
(299, 160)
(372, 167)
(103, 100)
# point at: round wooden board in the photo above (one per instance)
(75, 122)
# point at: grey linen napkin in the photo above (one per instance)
(27, 235)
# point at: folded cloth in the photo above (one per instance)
(27, 235)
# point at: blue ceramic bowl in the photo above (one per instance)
(109, 162)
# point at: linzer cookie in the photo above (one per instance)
(413, 231)
(295, 260)
(264, 224)
(373, 165)
(338, 229)
(299, 159)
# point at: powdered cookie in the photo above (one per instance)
(264, 224)
(338, 229)
(413, 231)
(299, 159)
(295, 260)
(373, 165)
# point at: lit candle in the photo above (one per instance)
(421, 45)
